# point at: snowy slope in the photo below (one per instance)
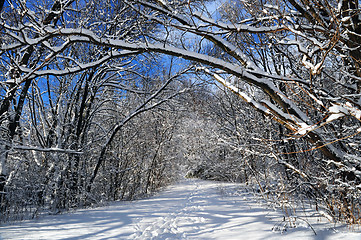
(192, 209)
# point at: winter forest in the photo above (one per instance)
(115, 99)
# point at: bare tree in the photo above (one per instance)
(302, 57)
(295, 58)
(59, 126)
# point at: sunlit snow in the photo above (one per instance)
(191, 209)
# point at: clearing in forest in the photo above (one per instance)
(191, 209)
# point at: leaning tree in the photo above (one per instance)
(302, 56)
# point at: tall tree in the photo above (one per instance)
(58, 127)
(293, 52)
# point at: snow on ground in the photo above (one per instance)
(192, 209)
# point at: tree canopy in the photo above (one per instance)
(76, 77)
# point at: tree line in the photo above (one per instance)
(107, 100)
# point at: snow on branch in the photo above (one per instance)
(265, 107)
(80, 67)
(239, 27)
(40, 149)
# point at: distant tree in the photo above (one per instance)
(64, 103)
(303, 59)
(295, 62)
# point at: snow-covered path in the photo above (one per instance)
(192, 209)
